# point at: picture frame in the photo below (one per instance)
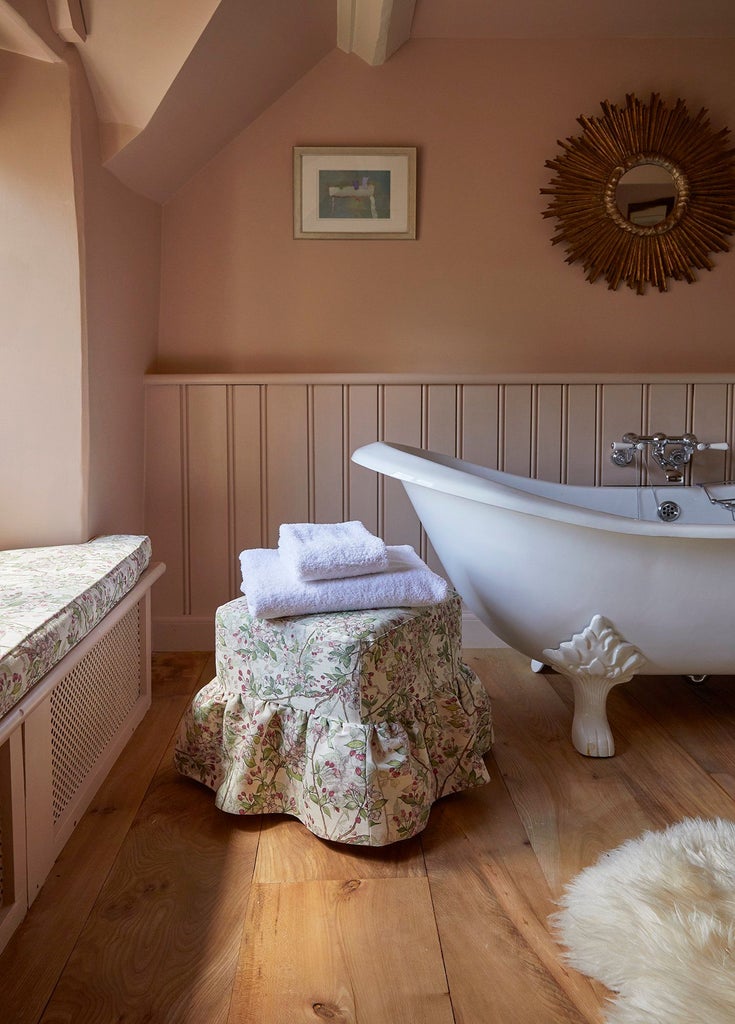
(355, 192)
(653, 211)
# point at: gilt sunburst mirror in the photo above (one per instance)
(645, 194)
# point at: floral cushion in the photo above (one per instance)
(354, 722)
(51, 597)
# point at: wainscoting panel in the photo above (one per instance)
(712, 414)
(327, 494)
(548, 435)
(288, 426)
(231, 457)
(479, 428)
(208, 500)
(363, 487)
(165, 493)
(247, 490)
(579, 424)
(621, 410)
(404, 422)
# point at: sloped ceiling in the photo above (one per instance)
(245, 58)
(18, 36)
(225, 63)
(132, 53)
(174, 80)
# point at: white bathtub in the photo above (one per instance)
(586, 579)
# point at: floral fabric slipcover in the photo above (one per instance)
(51, 597)
(353, 722)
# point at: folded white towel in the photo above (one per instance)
(273, 591)
(329, 551)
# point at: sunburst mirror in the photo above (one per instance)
(645, 194)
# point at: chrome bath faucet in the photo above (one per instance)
(670, 453)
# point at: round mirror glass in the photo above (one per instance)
(646, 194)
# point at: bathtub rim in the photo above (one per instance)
(448, 474)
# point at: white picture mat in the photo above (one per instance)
(398, 166)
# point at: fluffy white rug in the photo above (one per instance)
(654, 920)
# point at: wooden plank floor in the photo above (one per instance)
(162, 909)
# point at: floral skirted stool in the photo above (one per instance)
(354, 722)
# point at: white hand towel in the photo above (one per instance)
(328, 551)
(273, 591)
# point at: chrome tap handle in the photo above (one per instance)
(718, 446)
(622, 452)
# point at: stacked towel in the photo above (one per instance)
(329, 551)
(273, 590)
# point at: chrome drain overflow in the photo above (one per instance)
(668, 511)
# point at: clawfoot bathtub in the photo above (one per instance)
(588, 580)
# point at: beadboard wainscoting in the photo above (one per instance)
(229, 457)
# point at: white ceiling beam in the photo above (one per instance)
(17, 36)
(67, 17)
(373, 29)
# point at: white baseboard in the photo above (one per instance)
(192, 633)
(183, 633)
(475, 634)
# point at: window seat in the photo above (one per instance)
(74, 684)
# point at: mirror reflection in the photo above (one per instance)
(646, 194)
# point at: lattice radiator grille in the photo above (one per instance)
(7, 825)
(2, 875)
(90, 704)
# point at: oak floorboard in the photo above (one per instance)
(592, 804)
(700, 717)
(573, 808)
(163, 909)
(350, 952)
(667, 780)
(288, 852)
(34, 958)
(492, 905)
(178, 888)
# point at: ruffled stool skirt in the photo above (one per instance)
(353, 722)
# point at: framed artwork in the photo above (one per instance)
(354, 192)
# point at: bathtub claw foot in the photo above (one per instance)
(591, 734)
(594, 661)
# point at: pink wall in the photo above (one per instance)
(482, 289)
(121, 259)
(41, 347)
(79, 286)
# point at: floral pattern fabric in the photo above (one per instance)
(51, 597)
(354, 722)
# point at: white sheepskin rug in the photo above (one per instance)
(654, 921)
